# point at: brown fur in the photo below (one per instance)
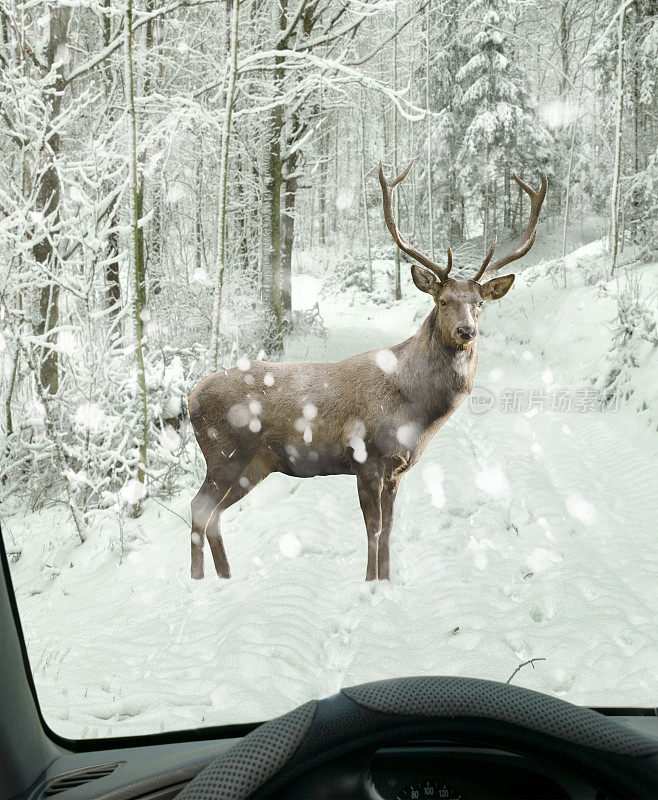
(371, 423)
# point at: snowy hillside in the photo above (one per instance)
(526, 531)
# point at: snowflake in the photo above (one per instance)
(386, 360)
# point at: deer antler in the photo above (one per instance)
(527, 240)
(387, 193)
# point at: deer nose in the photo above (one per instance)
(466, 332)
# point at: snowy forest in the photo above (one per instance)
(188, 184)
(164, 163)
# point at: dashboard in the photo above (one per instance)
(438, 770)
(418, 769)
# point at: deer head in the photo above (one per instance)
(459, 303)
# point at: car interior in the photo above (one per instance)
(328, 396)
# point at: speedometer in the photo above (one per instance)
(430, 788)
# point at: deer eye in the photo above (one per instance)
(442, 302)
(481, 303)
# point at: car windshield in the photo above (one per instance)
(275, 419)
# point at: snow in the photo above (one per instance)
(169, 438)
(580, 509)
(90, 416)
(176, 192)
(542, 559)
(67, 342)
(290, 545)
(238, 415)
(406, 435)
(558, 113)
(132, 492)
(344, 199)
(492, 480)
(432, 476)
(359, 452)
(386, 360)
(515, 537)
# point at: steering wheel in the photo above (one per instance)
(262, 764)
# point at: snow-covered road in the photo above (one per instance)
(521, 534)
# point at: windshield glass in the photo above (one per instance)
(263, 434)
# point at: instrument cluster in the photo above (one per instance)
(428, 771)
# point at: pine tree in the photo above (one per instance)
(501, 131)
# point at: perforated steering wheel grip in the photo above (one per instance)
(262, 764)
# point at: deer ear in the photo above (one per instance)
(497, 287)
(424, 279)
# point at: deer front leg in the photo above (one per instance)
(389, 492)
(369, 485)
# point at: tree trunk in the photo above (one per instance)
(614, 193)
(141, 190)
(223, 186)
(494, 203)
(322, 190)
(244, 220)
(199, 244)
(154, 265)
(47, 205)
(430, 166)
(273, 184)
(564, 36)
(335, 187)
(507, 221)
(364, 190)
(289, 196)
(396, 199)
(140, 259)
(485, 223)
(139, 304)
(112, 276)
(564, 46)
(273, 191)
(567, 193)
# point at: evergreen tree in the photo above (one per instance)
(501, 131)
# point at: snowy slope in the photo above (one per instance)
(521, 534)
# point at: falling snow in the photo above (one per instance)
(386, 360)
(90, 416)
(290, 545)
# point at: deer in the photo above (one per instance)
(371, 415)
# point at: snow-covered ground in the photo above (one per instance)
(524, 532)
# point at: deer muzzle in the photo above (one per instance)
(465, 333)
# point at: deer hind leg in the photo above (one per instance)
(223, 497)
(256, 470)
(369, 485)
(389, 492)
(204, 507)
